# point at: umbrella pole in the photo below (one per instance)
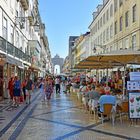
(97, 74)
(124, 80)
(107, 75)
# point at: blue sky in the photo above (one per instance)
(64, 18)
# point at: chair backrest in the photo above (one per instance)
(107, 109)
(125, 107)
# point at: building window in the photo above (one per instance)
(111, 48)
(17, 39)
(121, 22)
(104, 18)
(107, 15)
(101, 22)
(134, 13)
(93, 31)
(115, 27)
(22, 44)
(98, 40)
(98, 24)
(115, 5)
(16, 13)
(120, 3)
(101, 39)
(4, 28)
(96, 27)
(111, 10)
(111, 31)
(126, 19)
(12, 34)
(104, 37)
(126, 43)
(133, 41)
(107, 34)
(28, 50)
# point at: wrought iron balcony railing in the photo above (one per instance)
(9, 48)
(2, 44)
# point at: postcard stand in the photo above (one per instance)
(133, 87)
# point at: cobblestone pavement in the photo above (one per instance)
(59, 119)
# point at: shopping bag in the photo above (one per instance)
(21, 99)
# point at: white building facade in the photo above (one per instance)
(20, 41)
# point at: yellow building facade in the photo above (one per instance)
(115, 26)
(127, 25)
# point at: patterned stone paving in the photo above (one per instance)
(63, 118)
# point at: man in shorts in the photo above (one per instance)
(29, 88)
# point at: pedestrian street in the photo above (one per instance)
(61, 118)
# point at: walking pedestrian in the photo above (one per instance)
(42, 89)
(48, 89)
(1, 86)
(24, 89)
(57, 85)
(16, 91)
(29, 88)
(10, 88)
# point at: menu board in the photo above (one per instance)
(134, 105)
(133, 85)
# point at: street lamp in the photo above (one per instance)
(21, 22)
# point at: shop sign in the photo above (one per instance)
(134, 76)
(134, 105)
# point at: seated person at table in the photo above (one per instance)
(93, 94)
(106, 99)
(107, 89)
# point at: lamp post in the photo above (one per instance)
(21, 22)
(95, 50)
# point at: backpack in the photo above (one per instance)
(29, 85)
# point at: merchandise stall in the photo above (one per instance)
(133, 87)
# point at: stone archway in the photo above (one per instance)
(58, 61)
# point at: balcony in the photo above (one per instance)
(18, 53)
(25, 4)
(27, 58)
(10, 49)
(2, 44)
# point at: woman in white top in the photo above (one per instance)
(83, 91)
(42, 89)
